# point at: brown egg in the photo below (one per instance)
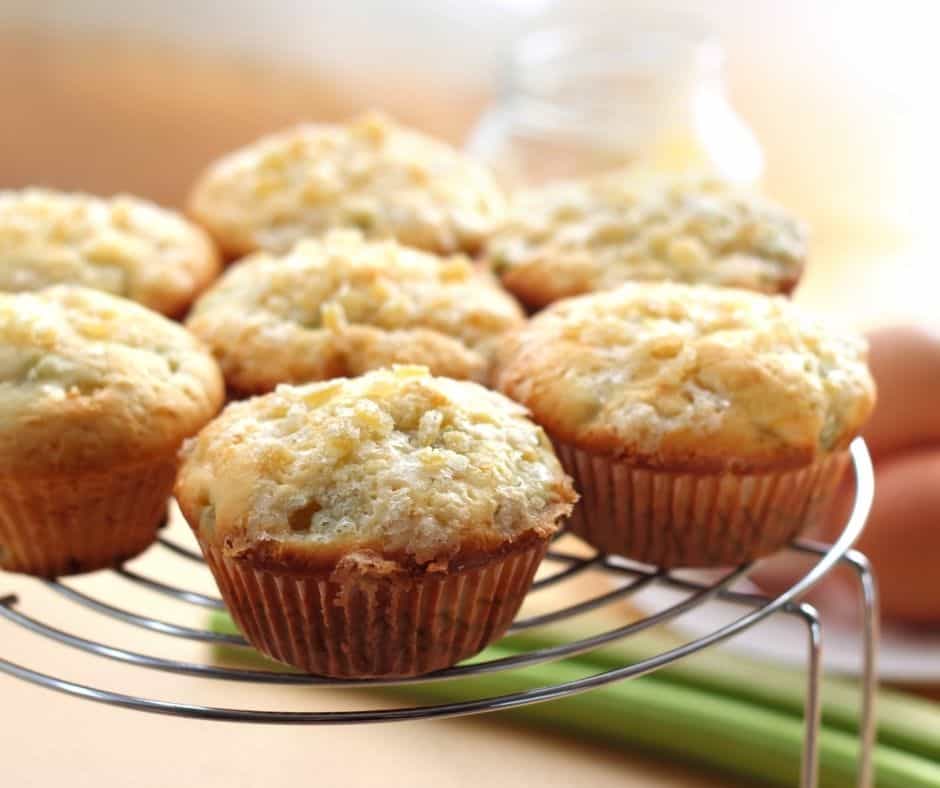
(902, 537)
(905, 362)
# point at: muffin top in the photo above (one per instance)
(344, 305)
(392, 469)
(371, 175)
(693, 378)
(579, 237)
(123, 245)
(88, 380)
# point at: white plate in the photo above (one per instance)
(905, 656)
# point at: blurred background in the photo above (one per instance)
(829, 107)
(108, 95)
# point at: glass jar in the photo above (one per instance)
(587, 97)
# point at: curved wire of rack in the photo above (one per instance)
(634, 576)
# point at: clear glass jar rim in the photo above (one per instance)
(654, 46)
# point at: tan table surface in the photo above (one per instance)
(49, 739)
(92, 116)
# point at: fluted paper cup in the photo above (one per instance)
(364, 625)
(695, 519)
(81, 522)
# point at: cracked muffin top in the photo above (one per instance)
(393, 465)
(345, 305)
(123, 245)
(577, 237)
(690, 377)
(88, 379)
(369, 174)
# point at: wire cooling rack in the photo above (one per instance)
(561, 566)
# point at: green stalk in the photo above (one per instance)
(688, 723)
(702, 724)
(904, 721)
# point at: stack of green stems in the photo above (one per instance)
(736, 715)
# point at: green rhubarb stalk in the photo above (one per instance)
(905, 722)
(703, 724)
(688, 723)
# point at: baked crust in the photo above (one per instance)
(91, 381)
(395, 471)
(122, 245)
(373, 558)
(369, 174)
(689, 378)
(344, 306)
(578, 237)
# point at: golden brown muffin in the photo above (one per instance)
(343, 306)
(96, 397)
(702, 425)
(370, 174)
(386, 525)
(122, 245)
(578, 237)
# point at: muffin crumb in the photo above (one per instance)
(344, 305)
(396, 461)
(578, 237)
(123, 246)
(369, 174)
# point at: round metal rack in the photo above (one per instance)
(563, 566)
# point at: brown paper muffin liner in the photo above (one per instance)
(82, 522)
(375, 626)
(695, 520)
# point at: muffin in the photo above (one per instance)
(96, 397)
(703, 426)
(386, 525)
(578, 237)
(343, 306)
(123, 245)
(370, 174)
